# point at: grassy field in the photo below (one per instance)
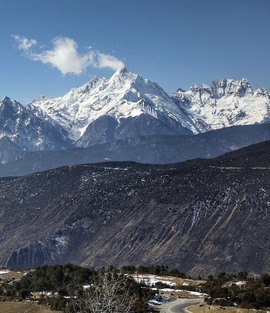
(218, 309)
(19, 307)
(190, 282)
(11, 275)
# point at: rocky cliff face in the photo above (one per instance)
(200, 216)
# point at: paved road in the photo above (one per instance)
(178, 306)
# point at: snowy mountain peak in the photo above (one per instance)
(127, 106)
(125, 95)
(8, 101)
(122, 72)
(21, 128)
(8, 107)
(227, 102)
(223, 87)
(123, 78)
(227, 87)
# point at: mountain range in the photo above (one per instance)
(78, 205)
(109, 117)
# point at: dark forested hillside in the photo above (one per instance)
(201, 216)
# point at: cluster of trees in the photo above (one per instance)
(238, 290)
(76, 289)
(160, 270)
(73, 288)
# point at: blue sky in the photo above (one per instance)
(48, 47)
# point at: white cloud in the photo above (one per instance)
(105, 60)
(65, 56)
(24, 43)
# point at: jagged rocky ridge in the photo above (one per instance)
(225, 103)
(202, 216)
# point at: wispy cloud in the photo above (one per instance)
(24, 43)
(65, 55)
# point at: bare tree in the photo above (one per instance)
(108, 293)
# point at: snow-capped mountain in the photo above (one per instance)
(225, 103)
(127, 106)
(116, 103)
(22, 130)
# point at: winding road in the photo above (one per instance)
(178, 306)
